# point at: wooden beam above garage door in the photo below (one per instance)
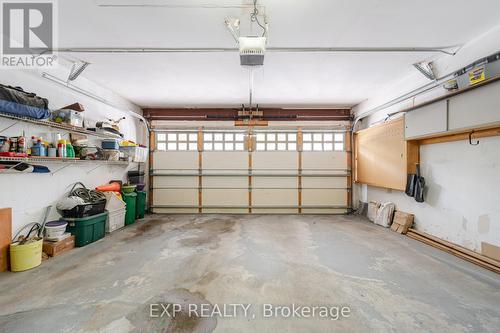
(213, 114)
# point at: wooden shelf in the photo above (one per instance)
(34, 159)
(64, 127)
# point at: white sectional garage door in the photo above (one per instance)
(302, 171)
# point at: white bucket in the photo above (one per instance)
(55, 231)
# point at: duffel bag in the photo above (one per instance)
(19, 96)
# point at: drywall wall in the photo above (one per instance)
(462, 193)
(29, 194)
(462, 180)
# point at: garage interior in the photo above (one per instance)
(336, 156)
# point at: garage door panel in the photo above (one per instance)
(324, 197)
(323, 211)
(225, 211)
(270, 182)
(225, 197)
(225, 182)
(175, 197)
(274, 211)
(268, 161)
(226, 161)
(175, 211)
(324, 160)
(188, 181)
(324, 182)
(277, 197)
(181, 161)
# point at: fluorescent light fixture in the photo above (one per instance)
(77, 69)
(426, 69)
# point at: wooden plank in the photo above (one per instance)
(5, 237)
(456, 253)
(461, 136)
(349, 155)
(299, 171)
(490, 251)
(200, 170)
(250, 123)
(152, 147)
(382, 156)
(412, 157)
(250, 168)
(456, 250)
(456, 247)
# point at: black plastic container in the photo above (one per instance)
(85, 210)
(136, 177)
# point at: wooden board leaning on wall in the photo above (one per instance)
(382, 157)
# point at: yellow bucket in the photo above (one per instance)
(26, 256)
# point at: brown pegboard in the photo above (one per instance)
(382, 156)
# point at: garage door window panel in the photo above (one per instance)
(323, 142)
(180, 141)
(279, 141)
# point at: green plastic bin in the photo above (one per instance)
(131, 202)
(87, 229)
(141, 204)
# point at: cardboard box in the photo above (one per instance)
(56, 248)
(490, 251)
(402, 222)
(5, 237)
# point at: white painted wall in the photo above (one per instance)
(462, 196)
(28, 194)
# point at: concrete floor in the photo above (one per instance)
(390, 282)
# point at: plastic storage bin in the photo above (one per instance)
(116, 220)
(141, 204)
(110, 144)
(131, 202)
(81, 211)
(66, 116)
(116, 212)
(134, 153)
(136, 177)
(88, 229)
(111, 155)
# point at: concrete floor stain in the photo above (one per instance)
(182, 322)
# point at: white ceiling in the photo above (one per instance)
(287, 79)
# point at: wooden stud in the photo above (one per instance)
(250, 168)
(349, 155)
(299, 178)
(152, 148)
(200, 170)
(412, 157)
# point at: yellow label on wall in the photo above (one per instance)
(477, 75)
